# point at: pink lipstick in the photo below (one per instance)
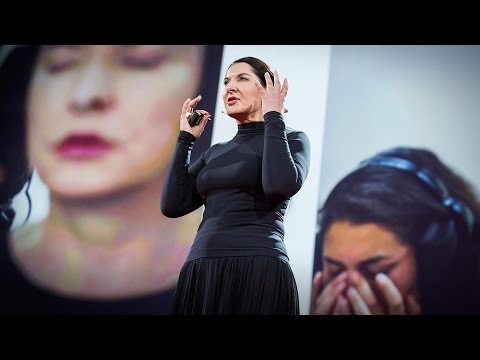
(83, 146)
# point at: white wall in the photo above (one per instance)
(384, 96)
(306, 68)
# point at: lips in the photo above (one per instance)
(231, 100)
(83, 146)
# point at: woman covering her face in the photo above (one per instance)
(399, 235)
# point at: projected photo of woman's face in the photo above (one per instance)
(101, 123)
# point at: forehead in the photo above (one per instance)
(240, 68)
(349, 242)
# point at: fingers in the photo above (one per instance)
(259, 85)
(366, 293)
(194, 102)
(283, 93)
(273, 96)
(268, 81)
(360, 298)
(336, 308)
(205, 119)
(413, 307)
(185, 106)
(341, 306)
(187, 110)
(344, 307)
(276, 83)
(204, 112)
(325, 302)
(358, 304)
(392, 295)
(189, 104)
(316, 284)
(284, 90)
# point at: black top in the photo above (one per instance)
(245, 185)
(19, 296)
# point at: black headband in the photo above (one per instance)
(433, 183)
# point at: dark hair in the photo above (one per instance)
(15, 73)
(259, 68)
(446, 243)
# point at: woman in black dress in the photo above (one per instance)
(238, 263)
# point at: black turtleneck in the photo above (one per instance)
(245, 185)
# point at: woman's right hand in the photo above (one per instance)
(329, 300)
(187, 110)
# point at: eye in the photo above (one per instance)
(144, 63)
(333, 270)
(242, 78)
(61, 58)
(144, 56)
(148, 63)
(61, 66)
(335, 273)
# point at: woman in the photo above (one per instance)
(399, 235)
(100, 131)
(238, 263)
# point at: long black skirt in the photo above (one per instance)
(236, 285)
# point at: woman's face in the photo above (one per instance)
(103, 118)
(241, 97)
(369, 249)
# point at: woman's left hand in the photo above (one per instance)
(364, 302)
(273, 96)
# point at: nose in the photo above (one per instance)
(93, 91)
(230, 87)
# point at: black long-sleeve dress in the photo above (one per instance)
(238, 263)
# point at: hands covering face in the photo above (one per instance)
(351, 294)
